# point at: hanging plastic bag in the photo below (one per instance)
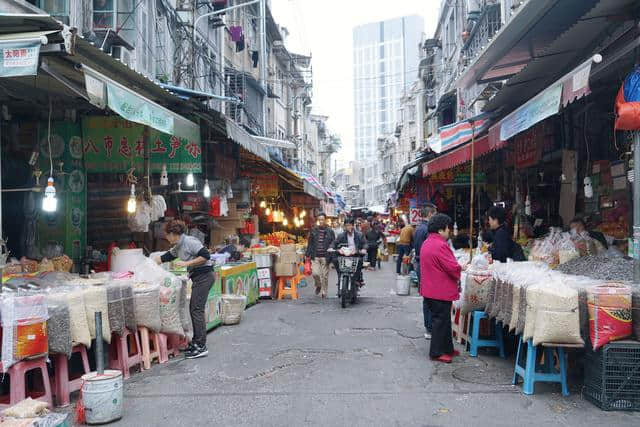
(627, 106)
(307, 267)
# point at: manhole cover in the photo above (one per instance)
(482, 375)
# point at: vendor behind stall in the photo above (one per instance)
(503, 246)
(196, 258)
(579, 226)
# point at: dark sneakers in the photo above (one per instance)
(189, 348)
(197, 352)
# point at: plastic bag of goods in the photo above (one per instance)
(149, 272)
(476, 293)
(115, 308)
(457, 304)
(232, 307)
(24, 328)
(59, 327)
(147, 303)
(170, 293)
(581, 285)
(128, 305)
(567, 251)
(506, 301)
(185, 314)
(74, 299)
(557, 318)
(95, 300)
(609, 313)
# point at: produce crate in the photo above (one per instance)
(612, 376)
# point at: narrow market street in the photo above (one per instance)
(309, 362)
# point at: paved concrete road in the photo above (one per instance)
(309, 362)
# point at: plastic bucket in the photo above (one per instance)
(403, 284)
(102, 396)
(123, 260)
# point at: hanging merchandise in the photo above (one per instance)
(158, 207)
(164, 176)
(140, 220)
(229, 192)
(254, 58)
(224, 206)
(214, 206)
(236, 33)
(627, 106)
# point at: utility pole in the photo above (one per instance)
(263, 62)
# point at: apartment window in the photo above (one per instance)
(59, 9)
(116, 15)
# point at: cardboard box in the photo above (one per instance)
(288, 258)
(285, 269)
(264, 273)
(288, 248)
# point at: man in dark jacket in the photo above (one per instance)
(320, 240)
(422, 232)
(354, 240)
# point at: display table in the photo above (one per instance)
(241, 279)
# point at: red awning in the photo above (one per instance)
(459, 156)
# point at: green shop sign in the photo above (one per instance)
(113, 144)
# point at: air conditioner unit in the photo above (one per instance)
(122, 54)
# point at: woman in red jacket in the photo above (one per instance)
(439, 279)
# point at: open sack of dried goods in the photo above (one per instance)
(59, 327)
(232, 307)
(147, 305)
(95, 300)
(477, 286)
(557, 317)
(128, 305)
(185, 314)
(170, 294)
(115, 307)
(74, 299)
(24, 328)
(609, 313)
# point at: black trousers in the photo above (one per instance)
(199, 293)
(402, 250)
(372, 255)
(441, 341)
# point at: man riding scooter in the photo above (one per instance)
(354, 240)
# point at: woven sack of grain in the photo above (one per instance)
(59, 327)
(74, 299)
(95, 300)
(147, 304)
(232, 307)
(476, 293)
(170, 304)
(557, 318)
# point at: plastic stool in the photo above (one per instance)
(174, 342)
(149, 352)
(284, 291)
(63, 384)
(125, 352)
(476, 341)
(534, 372)
(17, 384)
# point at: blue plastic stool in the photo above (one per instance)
(476, 341)
(534, 372)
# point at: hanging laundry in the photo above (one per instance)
(254, 58)
(236, 33)
(240, 45)
(219, 4)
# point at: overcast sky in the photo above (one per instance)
(324, 29)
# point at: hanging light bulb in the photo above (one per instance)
(50, 203)
(303, 213)
(206, 191)
(285, 222)
(164, 176)
(267, 211)
(189, 182)
(263, 204)
(131, 204)
(301, 222)
(296, 221)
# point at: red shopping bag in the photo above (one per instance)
(307, 267)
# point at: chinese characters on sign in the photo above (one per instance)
(113, 144)
(19, 58)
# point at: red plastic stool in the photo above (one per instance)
(174, 342)
(125, 352)
(63, 385)
(152, 347)
(17, 384)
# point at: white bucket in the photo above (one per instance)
(102, 396)
(403, 285)
(123, 260)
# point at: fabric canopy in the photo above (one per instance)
(459, 156)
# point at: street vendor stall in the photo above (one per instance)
(241, 279)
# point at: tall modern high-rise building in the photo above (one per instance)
(385, 64)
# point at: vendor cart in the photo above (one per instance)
(241, 279)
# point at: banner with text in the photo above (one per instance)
(113, 144)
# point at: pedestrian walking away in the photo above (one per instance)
(421, 234)
(197, 259)
(320, 240)
(373, 238)
(403, 246)
(439, 285)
